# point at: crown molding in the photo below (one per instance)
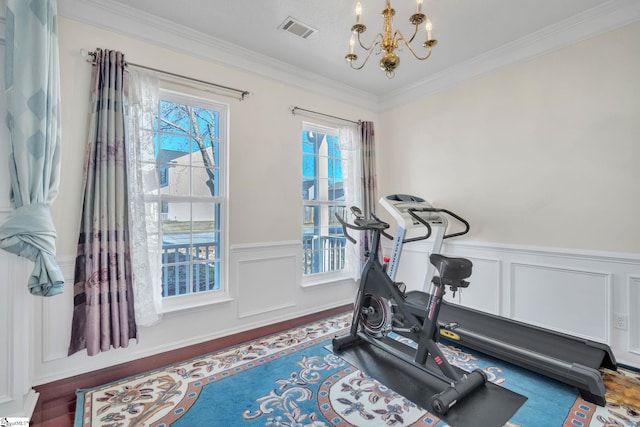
(126, 20)
(608, 16)
(123, 19)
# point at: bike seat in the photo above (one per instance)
(451, 268)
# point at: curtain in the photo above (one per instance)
(103, 314)
(368, 159)
(369, 177)
(33, 118)
(143, 190)
(351, 174)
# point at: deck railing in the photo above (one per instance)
(323, 254)
(184, 274)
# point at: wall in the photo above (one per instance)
(265, 242)
(541, 158)
(542, 153)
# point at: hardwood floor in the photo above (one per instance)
(57, 402)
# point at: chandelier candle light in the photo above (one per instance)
(387, 41)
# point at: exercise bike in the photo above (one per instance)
(383, 310)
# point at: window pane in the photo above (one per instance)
(323, 253)
(204, 276)
(177, 219)
(174, 118)
(173, 149)
(333, 221)
(309, 190)
(309, 214)
(205, 182)
(191, 248)
(205, 123)
(205, 216)
(174, 180)
(308, 165)
(204, 152)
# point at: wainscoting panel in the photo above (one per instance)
(16, 396)
(266, 275)
(634, 315)
(266, 284)
(570, 291)
(6, 336)
(485, 286)
(571, 301)
(56, 316)
(413, 265)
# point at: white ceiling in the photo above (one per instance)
(474, 36)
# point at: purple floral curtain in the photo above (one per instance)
(369, 177)
(103, 314)
(368, 158)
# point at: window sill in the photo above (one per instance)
(187, 302)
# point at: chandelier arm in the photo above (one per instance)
(399, 36)
(370, 51)
(413, 36)
(376, 41)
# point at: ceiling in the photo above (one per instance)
(473, 36)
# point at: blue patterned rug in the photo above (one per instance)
(290, 379)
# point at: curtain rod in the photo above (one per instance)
(294, 109)
(243, 93)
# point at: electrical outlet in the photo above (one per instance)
(621, 321)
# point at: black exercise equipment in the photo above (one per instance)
(566, 358)
(381, 308)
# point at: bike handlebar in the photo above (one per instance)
(421, 221)
(448, 212)
(361, 223)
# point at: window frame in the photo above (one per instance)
(222, 294)
(324, 277)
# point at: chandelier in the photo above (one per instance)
(388, 40)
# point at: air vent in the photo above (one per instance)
(297, 28)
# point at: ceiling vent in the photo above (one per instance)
(297, 28)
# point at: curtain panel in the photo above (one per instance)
(351, 173)
(103, 315)
(369, 178)
(33, 118)
(141, 107)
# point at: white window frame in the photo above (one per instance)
(321, 278)
(222, 294)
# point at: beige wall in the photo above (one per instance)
(544, 153)
(264, 152)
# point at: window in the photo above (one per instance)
(324, 188)
(190, 145)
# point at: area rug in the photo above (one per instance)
(290, 379)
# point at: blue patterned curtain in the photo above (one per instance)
(33, 118)
(103, 313)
